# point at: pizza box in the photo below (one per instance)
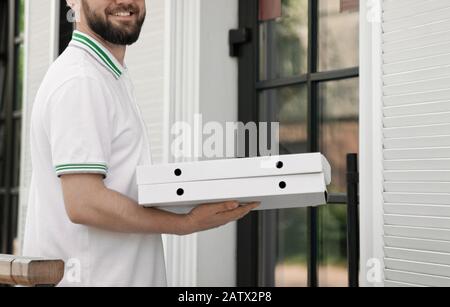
(304, 187)
(234, 168)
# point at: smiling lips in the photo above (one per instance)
(123, 14)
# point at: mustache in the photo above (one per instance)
(123, 7)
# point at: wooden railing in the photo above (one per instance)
(26, 271)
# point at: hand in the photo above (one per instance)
(209, 216)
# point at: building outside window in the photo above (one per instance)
(11, 97)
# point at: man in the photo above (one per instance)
(87, 138)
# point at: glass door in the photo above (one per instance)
(304, 58)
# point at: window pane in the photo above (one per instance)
(2, 84)
(289, 107)
(284, 42)
(292, 252)
(339, 118)
(333, 246)
(15, 222)
(17, 133)
(338, 34)
(3, 25)
(3, 229)
(2, 153)
(21, 19)
(3, 49)
(19, 78)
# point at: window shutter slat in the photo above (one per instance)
(415, 278)
(415, 255)
(417, 233)
(418, 267)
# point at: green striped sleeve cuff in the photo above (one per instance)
(89, 168)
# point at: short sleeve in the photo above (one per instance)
(80, 127)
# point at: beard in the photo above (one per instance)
(123, 34)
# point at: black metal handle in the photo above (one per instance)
(237, 37)
(353, 219)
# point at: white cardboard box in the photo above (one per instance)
(234, 168)
(299, 181)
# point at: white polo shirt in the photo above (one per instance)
(85, 120)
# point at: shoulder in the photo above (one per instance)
(75, 72)
(75, 81)
(77, 90)
(75, 63)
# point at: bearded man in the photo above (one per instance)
(87, 139)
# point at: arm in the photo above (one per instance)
(89, 202)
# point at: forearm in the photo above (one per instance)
(89, 202)
(112, 211)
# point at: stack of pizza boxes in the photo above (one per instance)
(288, 181)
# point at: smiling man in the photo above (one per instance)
(87, 138)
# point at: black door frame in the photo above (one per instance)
(248, 245)
(65, 27)
(256, 232)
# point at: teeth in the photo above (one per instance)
(122, 14)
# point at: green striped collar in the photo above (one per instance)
(98, 51)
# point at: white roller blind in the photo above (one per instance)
(416, 137)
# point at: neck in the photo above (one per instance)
(118, 51)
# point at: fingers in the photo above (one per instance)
(239, 213)
(228, 206)
(250, 207)
(221, 207)
(209, 216)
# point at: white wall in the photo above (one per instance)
(39, 50)
(218, 102)
(201, 79)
